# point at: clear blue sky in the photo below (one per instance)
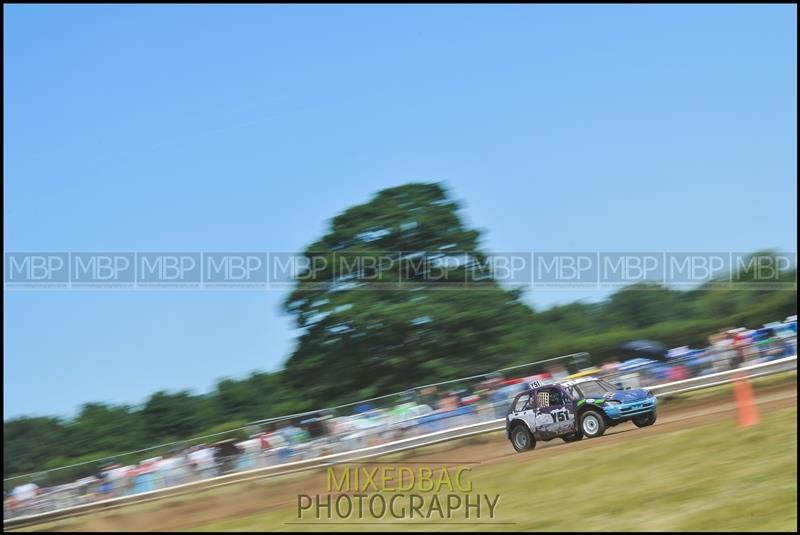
(247, 128)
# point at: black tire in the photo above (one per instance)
(645, 419)
(572, 437)
(593, 424)
(522, 439)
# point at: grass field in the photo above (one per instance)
(709, 478)
(702, 474)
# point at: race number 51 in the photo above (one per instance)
(560, 416)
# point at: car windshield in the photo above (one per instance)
(594, 388)
(608, 386)
(572, 392)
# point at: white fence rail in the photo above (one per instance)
(428, 439)
(719, 378)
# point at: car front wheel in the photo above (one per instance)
(645, 419)
(521, 439)
(592, 424)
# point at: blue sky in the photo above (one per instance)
(246, 128)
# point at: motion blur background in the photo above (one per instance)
(421, 132)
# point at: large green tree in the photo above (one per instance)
(398, 292)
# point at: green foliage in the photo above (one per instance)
(172, 416)
(361, 336)
(380, 338)
(105, 428)
(29, 442)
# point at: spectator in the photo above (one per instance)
(448, 402)
(202, 460)
(227, 453)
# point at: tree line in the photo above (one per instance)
(361, 335)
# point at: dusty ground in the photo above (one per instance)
(278, 493)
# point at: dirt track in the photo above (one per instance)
(266, 495)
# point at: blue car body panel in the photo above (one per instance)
(630, 403)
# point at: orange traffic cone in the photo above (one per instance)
(745, 401)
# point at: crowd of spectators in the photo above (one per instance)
(416, 412)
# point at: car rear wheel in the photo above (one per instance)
(592, 424)
(572, 437)
(645, 419)
(521, 438)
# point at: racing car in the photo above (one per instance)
(572, 410)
